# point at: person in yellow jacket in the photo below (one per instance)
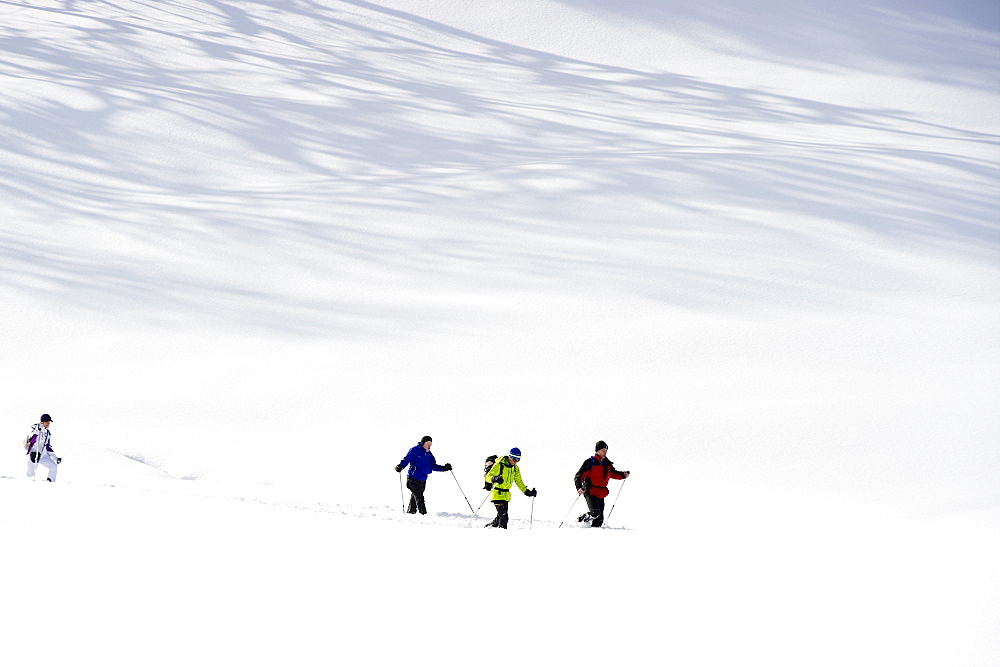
(502, 476)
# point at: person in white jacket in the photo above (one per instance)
(39, 449)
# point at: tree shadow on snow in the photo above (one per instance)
(307, 169)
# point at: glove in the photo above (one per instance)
(626, 473)
(446, 467)
(34, 456)
(488, 486)
(497, 479)
(399, 468)
(58, 459)
(531, 493)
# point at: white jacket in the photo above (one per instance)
(40, 439)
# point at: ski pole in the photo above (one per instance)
(402, 497)
(532, 520)
(570, 510)
(616, 499)
(463, 493)
(482, 503)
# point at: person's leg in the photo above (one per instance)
(411, 507)
(416, 487)
(495, 523)
(50, 463)
(596, 509)
(589, 515)
(502, 506)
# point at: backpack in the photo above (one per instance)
(27, 442)
(490, 461)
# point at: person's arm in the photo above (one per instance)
(33, 453)
(435, 466)
(405, 462)
(489, 474)
(518, 481)
(581, 481)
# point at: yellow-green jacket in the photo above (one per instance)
(511, 475)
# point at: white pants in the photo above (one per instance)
(46, 460)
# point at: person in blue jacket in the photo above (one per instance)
(421, 464)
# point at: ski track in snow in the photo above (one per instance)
(379, 513)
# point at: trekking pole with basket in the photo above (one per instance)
(402, 496)
(570, 510)
(616, 500)
(463, 493)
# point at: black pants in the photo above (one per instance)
(416, 487)
(501, 519)
(596, 506)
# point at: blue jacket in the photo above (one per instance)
(421, 462)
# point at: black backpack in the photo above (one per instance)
(490, 461)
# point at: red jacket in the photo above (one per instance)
(594, 474)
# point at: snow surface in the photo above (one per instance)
(250, 252)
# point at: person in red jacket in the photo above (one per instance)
(592, 483)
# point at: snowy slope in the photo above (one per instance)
(154, 573)
(250, 252)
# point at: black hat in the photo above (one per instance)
(45, 418)
(600, 445)
(426, 438)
